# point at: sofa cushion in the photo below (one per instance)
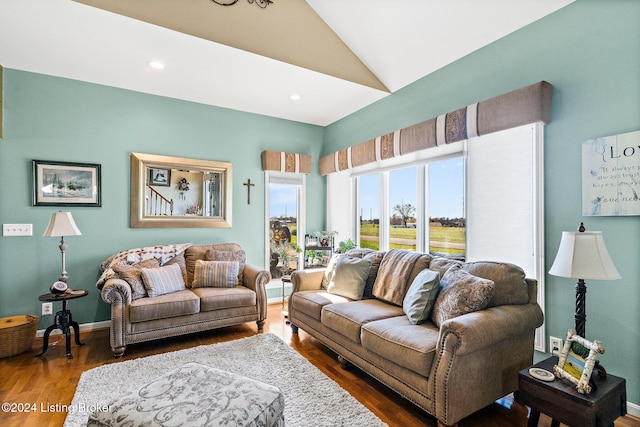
(163, 280)
(312, 302)
(197, 252)
(376, 258)
(421, 295)
(350, 277)
(240, 256)
(180, 303)
(131, 274)
(216, 274)
(347, 319)
(510, 286)
(460, 293)
(224, 298)
(400, 341)
(396, 274)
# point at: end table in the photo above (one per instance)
(560, 400)
(63, 320)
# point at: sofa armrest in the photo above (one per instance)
(486, 348)
(116, 292)
(256, 279)
(486, 327)
(306, 280)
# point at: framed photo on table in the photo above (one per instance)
(66, 184)
(576, 361)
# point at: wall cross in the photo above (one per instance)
(249, 185)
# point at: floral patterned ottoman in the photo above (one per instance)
(196, 394)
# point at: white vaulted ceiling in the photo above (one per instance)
(337, 55)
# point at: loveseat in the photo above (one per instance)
(448, 335)
(163, 291)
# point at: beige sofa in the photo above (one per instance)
(451, 370)
(138, 317)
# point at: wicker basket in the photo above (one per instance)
(17, 334)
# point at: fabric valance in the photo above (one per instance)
(286, 162)
(520, 107)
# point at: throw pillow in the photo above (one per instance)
(240, 256)
(131, 274)
(162, 280)
(421, 296)
(215, 274)
(329, 271)
(460, 293)
(350, 277)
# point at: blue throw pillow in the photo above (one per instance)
(420, 297)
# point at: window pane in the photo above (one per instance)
(447, 223)
(283, 221)
(370, 211)
(402, 209)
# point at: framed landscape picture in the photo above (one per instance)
(66, 184)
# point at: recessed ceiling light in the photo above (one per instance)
(157, 65)
(295, 97)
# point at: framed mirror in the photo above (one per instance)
(177, 192)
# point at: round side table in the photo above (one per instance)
(63, 320)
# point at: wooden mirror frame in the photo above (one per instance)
(140, 164)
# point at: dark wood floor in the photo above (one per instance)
(44, 384)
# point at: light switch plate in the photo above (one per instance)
(17, 229)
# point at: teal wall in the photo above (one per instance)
(51, 118)
(590, 52)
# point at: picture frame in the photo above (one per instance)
(577, 360)
(58, 183)
(160, 177)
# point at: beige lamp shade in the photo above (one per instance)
(62, 224)
(583, 255)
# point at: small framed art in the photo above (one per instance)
(576, 361)
(66, 184)
(160, 177)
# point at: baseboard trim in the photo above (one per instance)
(633, 409)
(83, 328)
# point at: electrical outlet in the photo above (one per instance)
(556, 345)
(47, 308)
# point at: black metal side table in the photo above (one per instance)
(63, 320)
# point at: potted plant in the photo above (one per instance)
(346, 245)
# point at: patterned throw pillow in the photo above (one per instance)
(162, 280)
(132, 275)
(240, 256)
(460, 293)
(215, 274)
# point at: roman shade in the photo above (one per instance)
(520, 107)
(280, 161)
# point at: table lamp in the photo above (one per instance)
(60, 225)
(583, 255)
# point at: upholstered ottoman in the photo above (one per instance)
(196, 394)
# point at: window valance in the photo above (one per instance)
(523, 106)
(286, 162)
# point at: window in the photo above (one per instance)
(415, 207)
(369, 201)
(285, 204)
